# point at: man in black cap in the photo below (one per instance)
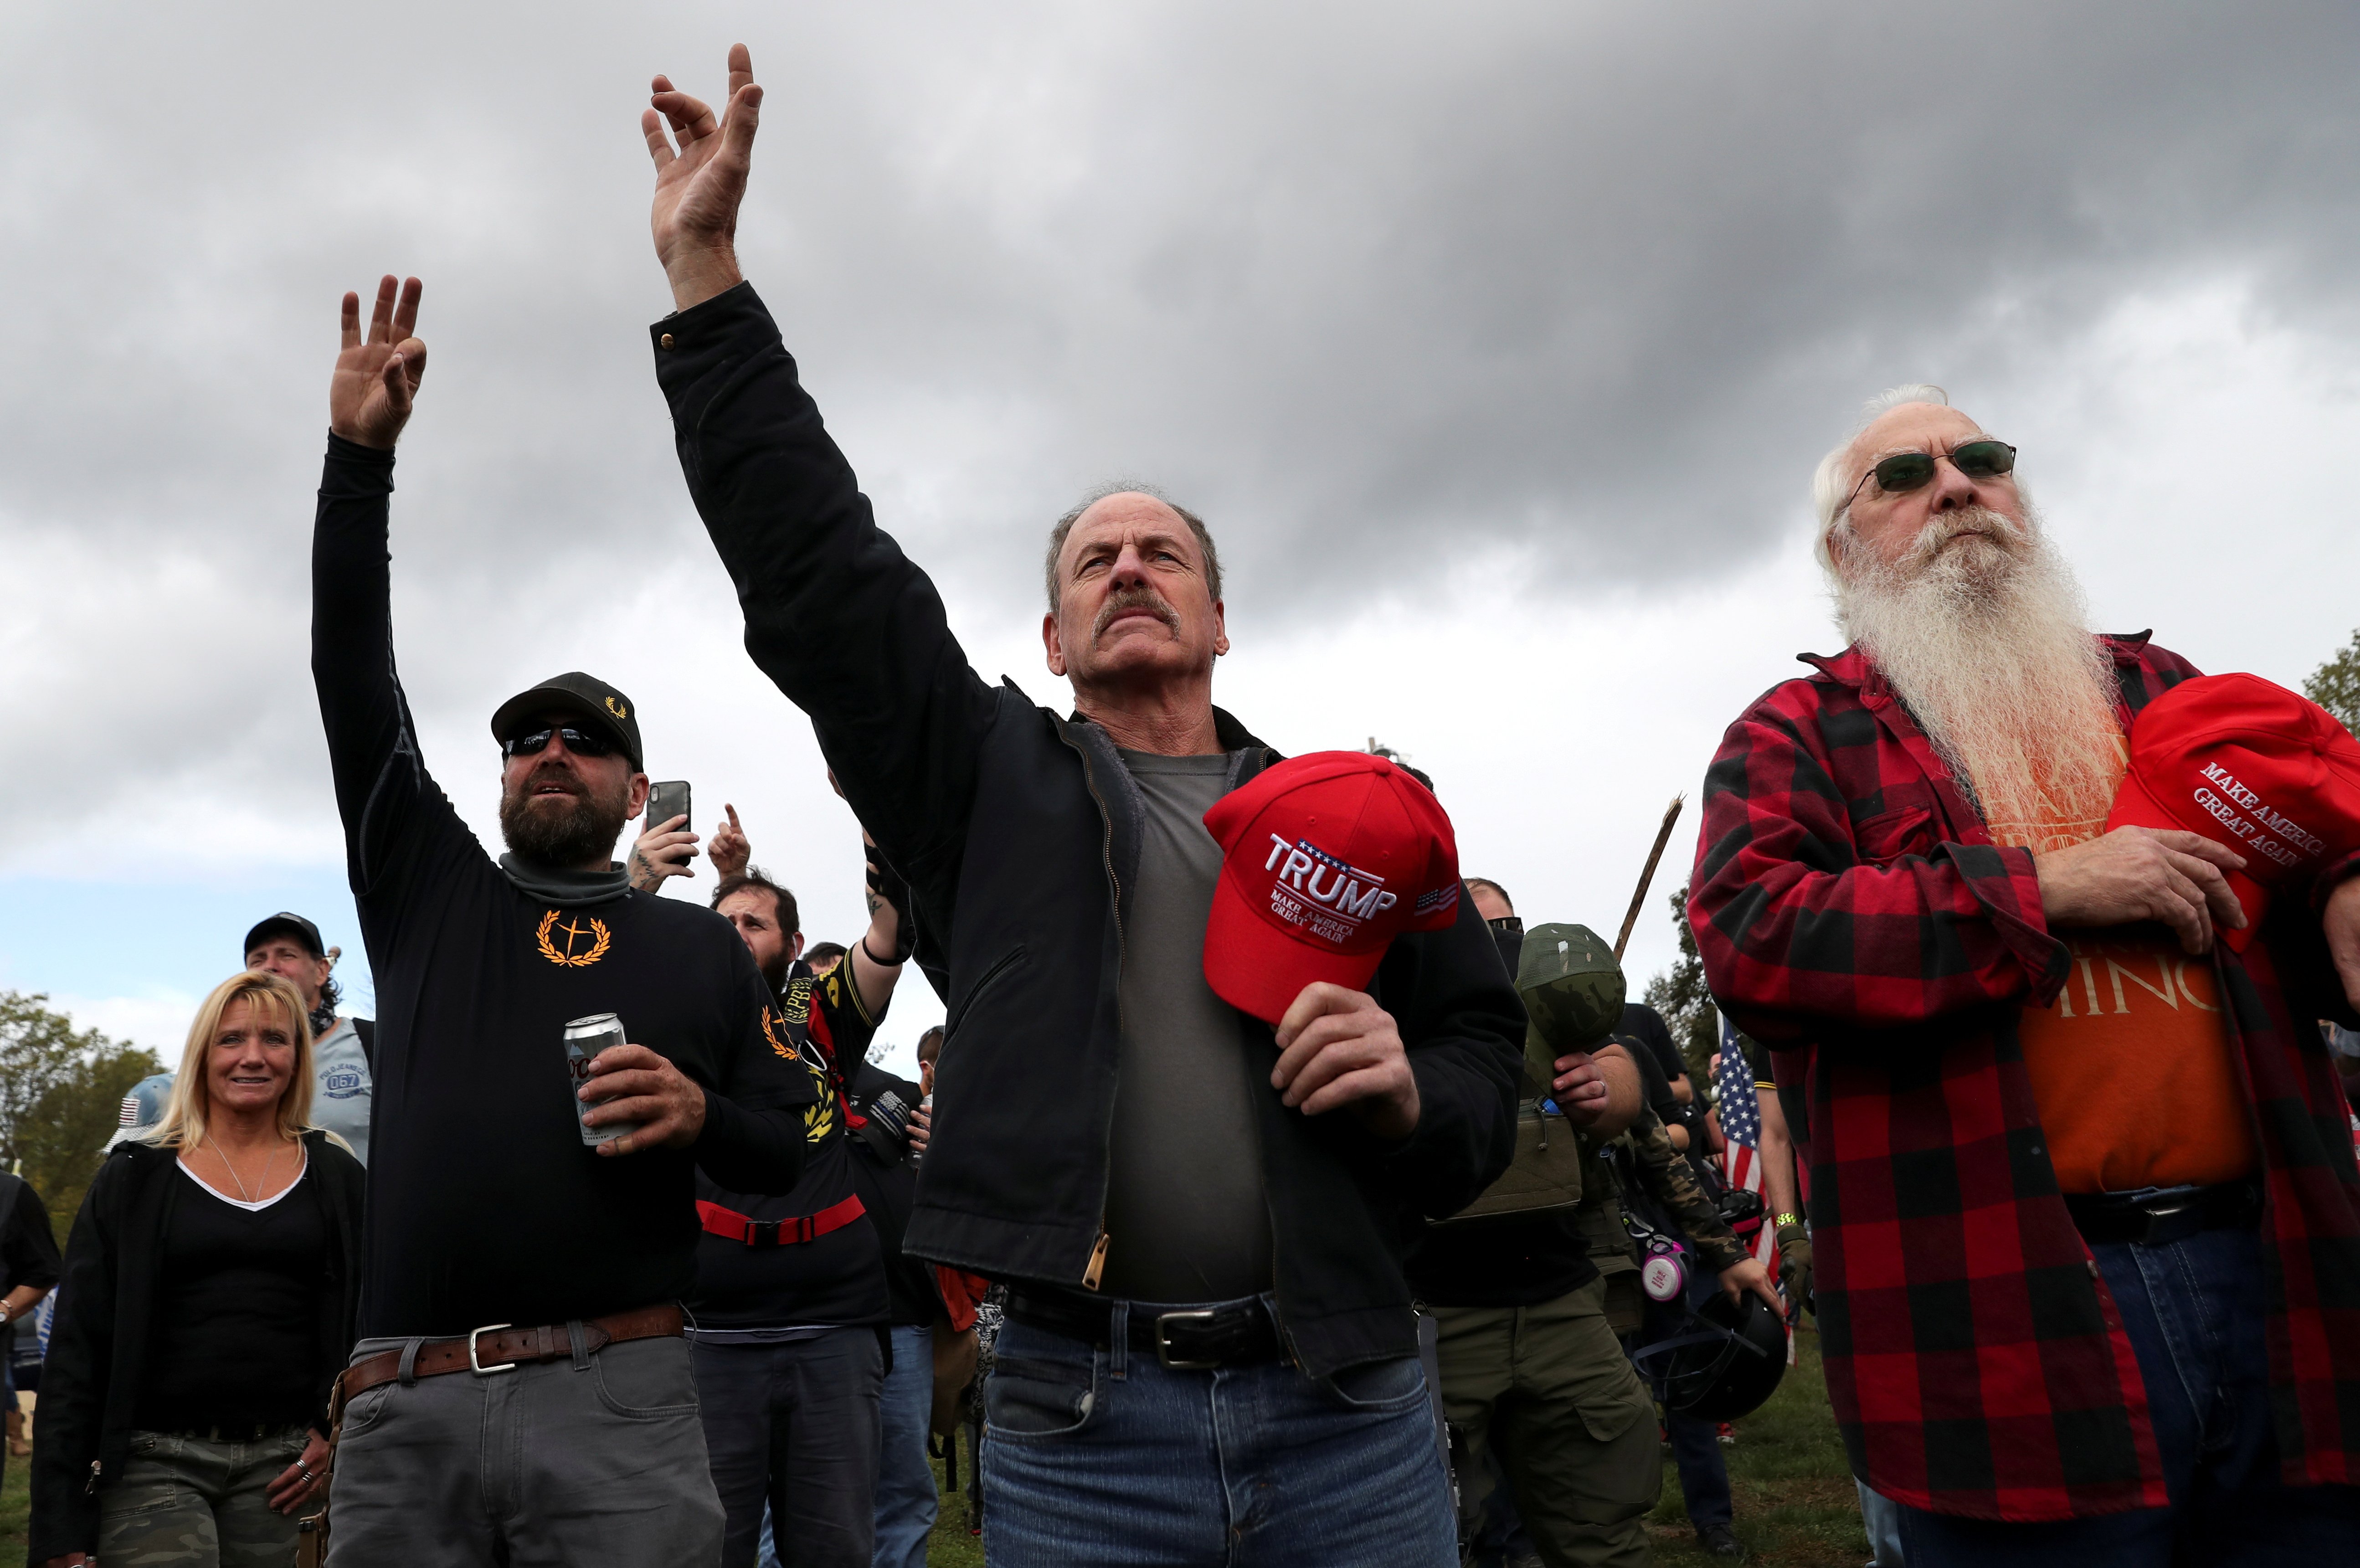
(289, 946)
(522, 1392)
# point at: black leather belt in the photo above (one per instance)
(1191, 1339)
(2160, 1218)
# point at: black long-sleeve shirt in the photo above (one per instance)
(484, 1206)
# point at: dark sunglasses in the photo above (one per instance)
(582, 743)
(1907, 471)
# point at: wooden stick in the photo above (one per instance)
(1639, 898)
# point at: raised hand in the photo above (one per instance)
(376, 383)
(730, 850)
(699, 188)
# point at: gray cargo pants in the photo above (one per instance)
(596, 1461)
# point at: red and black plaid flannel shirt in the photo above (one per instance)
(1848, 898)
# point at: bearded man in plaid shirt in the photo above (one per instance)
(2086, 1221)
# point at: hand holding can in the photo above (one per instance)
(585, 1039)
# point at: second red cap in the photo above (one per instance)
(1325, 859)
(2251, 765)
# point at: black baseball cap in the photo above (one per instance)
(291, 925)
(584, 697)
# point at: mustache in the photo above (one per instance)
(554, 772)
(1123, 601)
(1980, 520)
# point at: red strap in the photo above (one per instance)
(793, 1231)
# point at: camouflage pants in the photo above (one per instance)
(191, 1502)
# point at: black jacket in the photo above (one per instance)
(1019, 832)
(99, 1339)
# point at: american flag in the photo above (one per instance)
(1741, 1124)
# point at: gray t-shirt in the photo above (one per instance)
(1185, 1213)
(341, 1093)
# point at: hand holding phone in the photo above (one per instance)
(664, 846)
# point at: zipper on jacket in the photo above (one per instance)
(89, 1487)
(1096, 1269)
(1091, 1275)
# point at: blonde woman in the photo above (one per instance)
(210, 1295)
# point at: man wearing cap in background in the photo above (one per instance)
(2086, 1228)
(1210, 1354)
(521, 1391)
(289, 946)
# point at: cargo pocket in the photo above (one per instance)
(1608, 1405)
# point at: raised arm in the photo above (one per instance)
(381, 783)
(852, 632)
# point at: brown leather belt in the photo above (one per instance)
(500, 1347)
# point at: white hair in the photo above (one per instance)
(1834, 482)
(1987, 642)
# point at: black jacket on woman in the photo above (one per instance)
(1019, 832)
(105, 1323)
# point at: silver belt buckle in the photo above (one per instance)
(1163, 1341)
(475, 1364)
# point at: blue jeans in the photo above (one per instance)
(1880, 1516)
(1106, 1457)
(2195, 1314)
(1704, 1473)
(906, 1498)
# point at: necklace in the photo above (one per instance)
(262, 1181)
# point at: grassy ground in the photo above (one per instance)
(1792, 1492)
(1794, 1497)
(15, 1503)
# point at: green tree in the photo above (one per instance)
(60, 1088)
(2335, 685)
(1688, 1009)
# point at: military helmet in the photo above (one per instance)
(1724, 1360)
(1571, 985)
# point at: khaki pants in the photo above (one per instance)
(193, 1502)
(1548, 1389)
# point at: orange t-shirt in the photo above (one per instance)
(2132, 1064)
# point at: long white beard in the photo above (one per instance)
(1988, 643)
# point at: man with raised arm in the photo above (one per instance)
(1211, 1355)
(521, 1393)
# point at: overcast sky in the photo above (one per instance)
(1497, 341)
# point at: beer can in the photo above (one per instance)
(927, 1105)
(585, 1039)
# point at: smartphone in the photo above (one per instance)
(666, 801)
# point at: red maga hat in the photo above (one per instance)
(2251, 765)
(1325, 859)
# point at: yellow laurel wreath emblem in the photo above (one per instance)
(773, 1036)
(565, 957)
(819, 1118)
(617, 709)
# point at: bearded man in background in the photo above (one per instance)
(2088, 1278)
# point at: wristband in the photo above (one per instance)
(1786, 1219)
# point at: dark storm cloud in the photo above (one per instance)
(1371, 284)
